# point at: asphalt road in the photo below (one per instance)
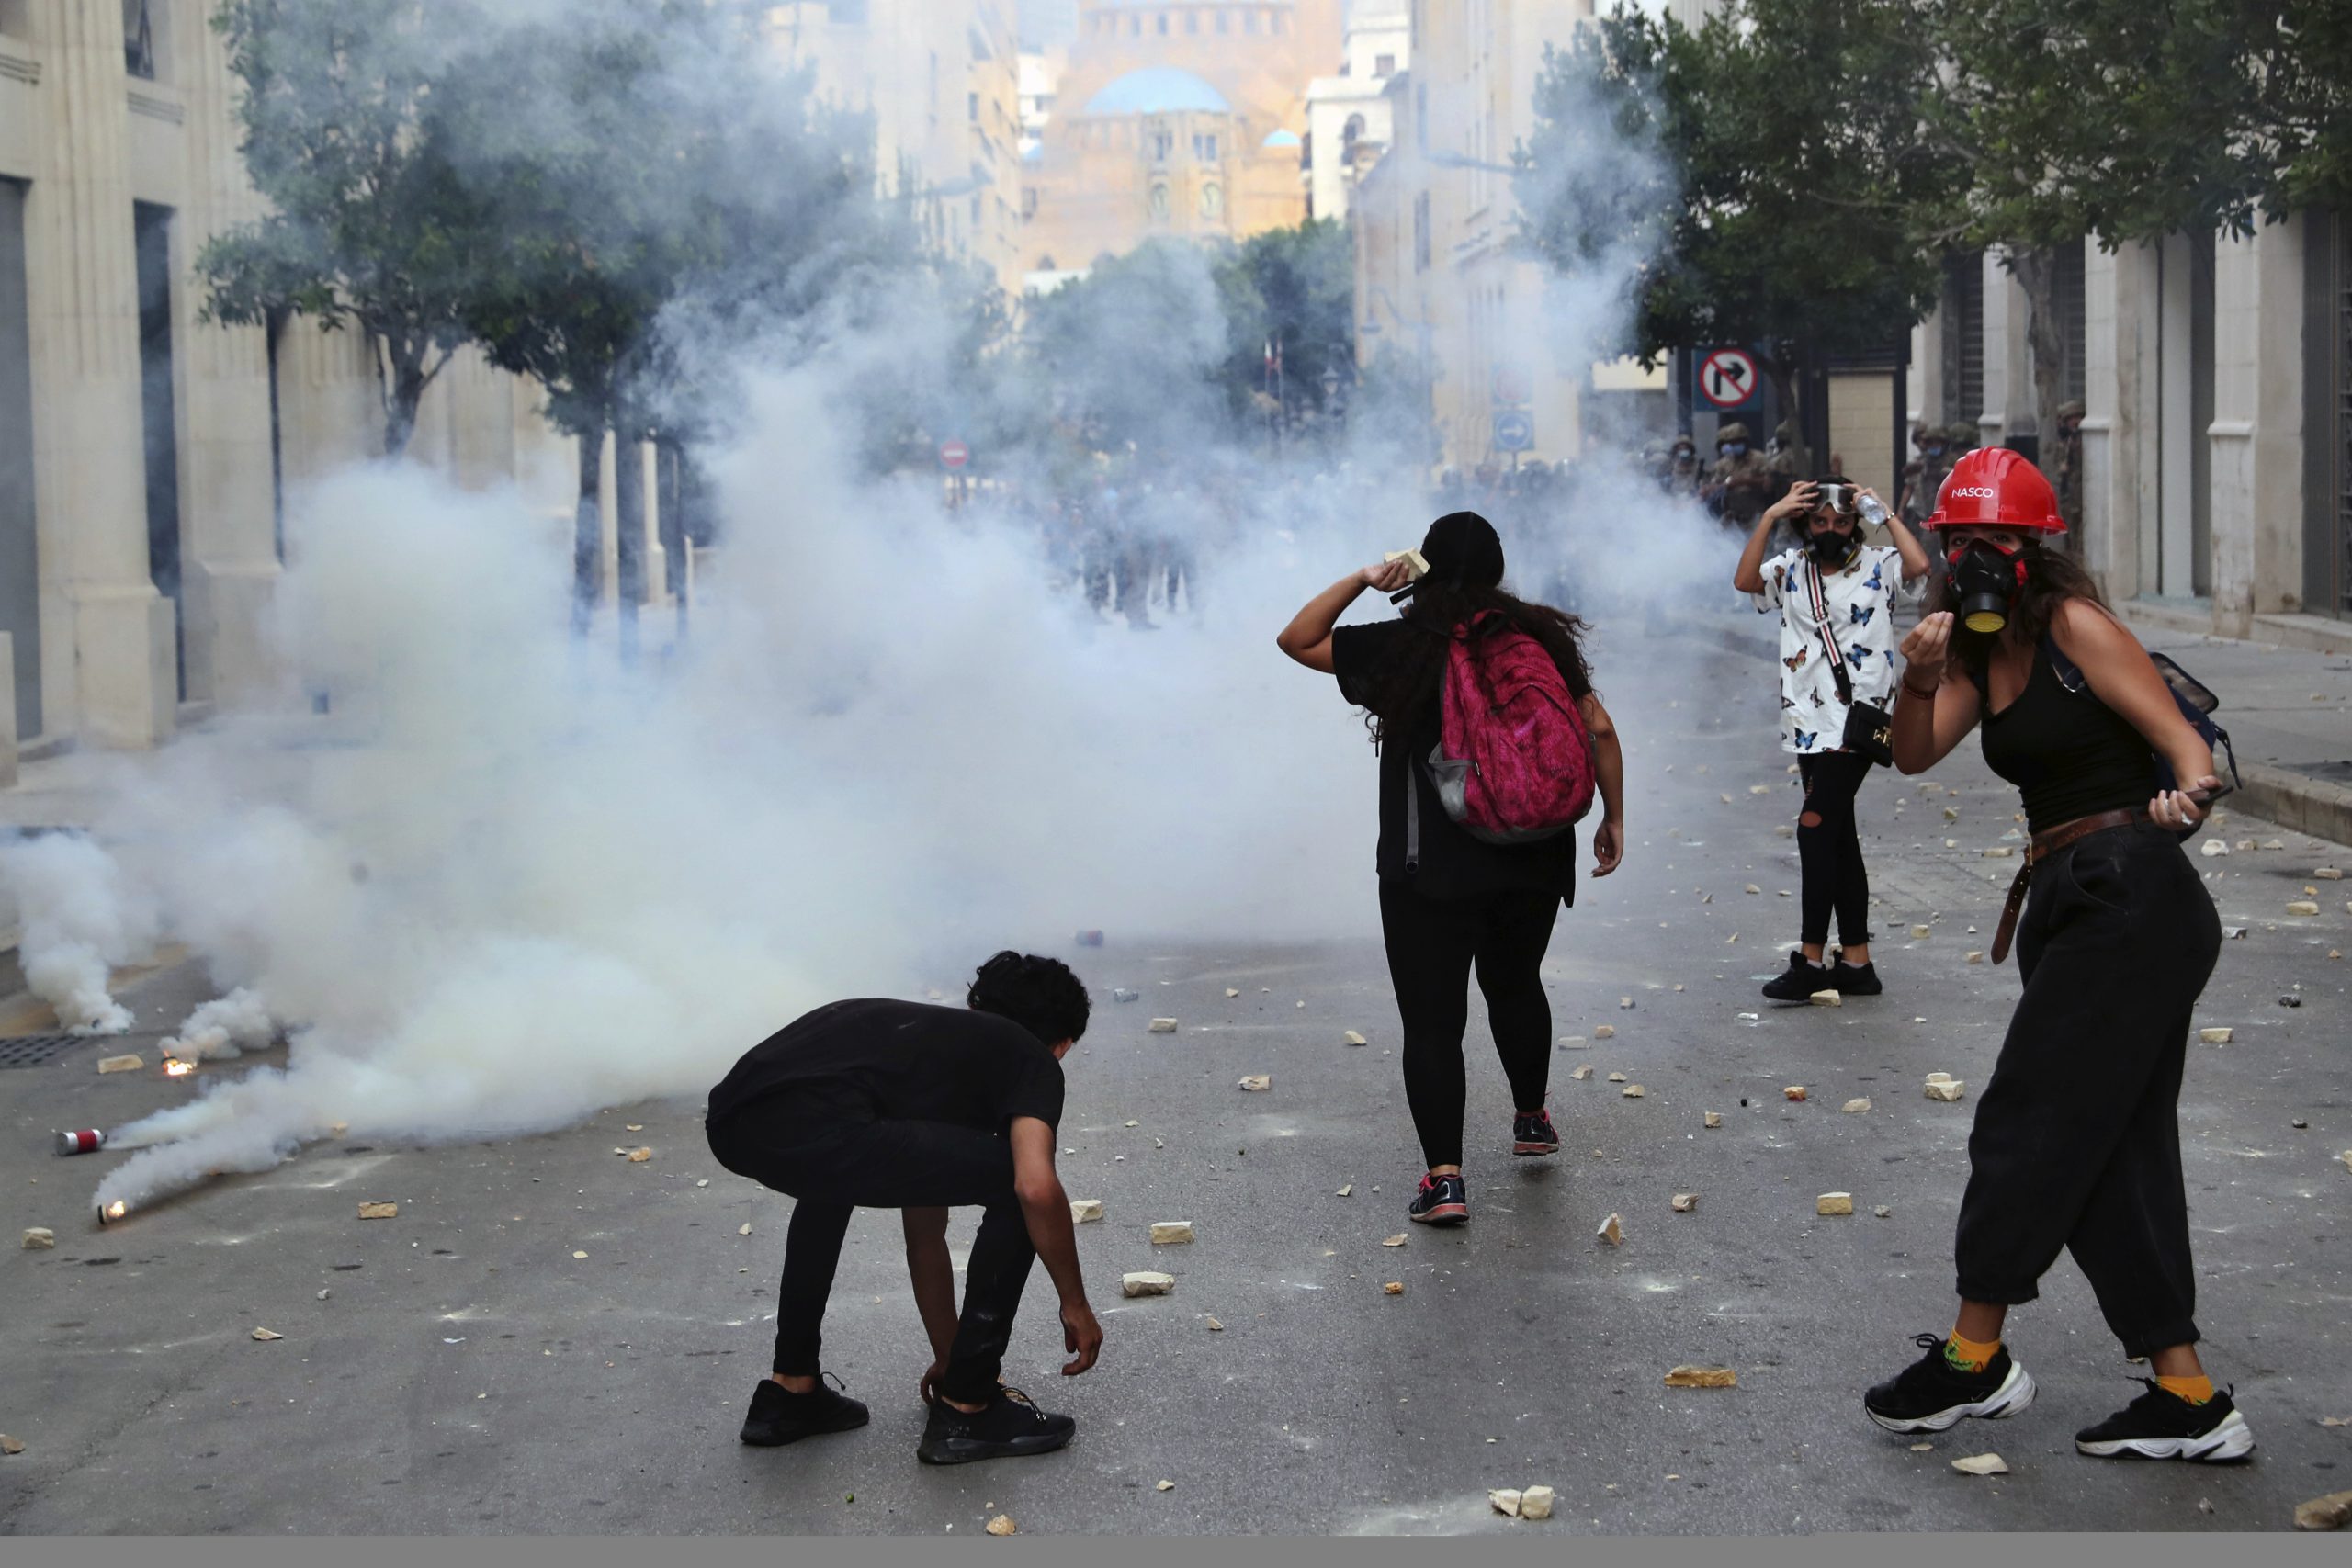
(466, 1373)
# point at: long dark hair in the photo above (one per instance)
(1403, 692)
(2053, 576)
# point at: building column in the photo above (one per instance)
(2256, 434)
(2004, 329)
(111, 671)
(228, 504)
(1923, 392)
(2122, 445)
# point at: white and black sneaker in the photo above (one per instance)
(1931, 1394)
(2162, 1425)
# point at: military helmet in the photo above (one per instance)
(1735, 431)
(2071, 408)
(1964, 434)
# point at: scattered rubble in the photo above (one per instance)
(128, 1063)
(1394, 1288)
(1712, 1119)
(2215, 1036)
(1085, 1210)
(1612, 1230)
(1884, 1212)
(1856, 1106)
(1002, 1523)
(2212, 846)
(1536, 1503)
(744, 1229)
(1214, 1326)
(1352, 1038)
(1231, 993)
(1830, 1203)
(1605, 1031)
(1256, 1083)
(1584, 1070)
(1171, 1232)
(1163, 1486)
(11, 1445)
(1685, 1202)
(1944, 1087)
(1144, 1282)
(1795, 1091)
(267, 1334)
(1396, 1240)
(2302, 906)
(1982, 1464)
(1617, 1077)
(1348, 1189)
(1972, 956)
(1504, 1501)
(1827, 998)
(38, 1237)
(1634, 1092)
(378, 1210)
(1920, 933)
(1122, 994)
(1163, 1026)
(1703, 1377)
(1999, 851)
(639, 1156)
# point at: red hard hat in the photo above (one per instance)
(1996, 488)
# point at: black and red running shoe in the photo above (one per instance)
(1443, 1200)
(1531, 1134)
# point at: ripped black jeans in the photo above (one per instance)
(833, 1160)
(1829, 849)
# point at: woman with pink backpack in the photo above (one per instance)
(1493, 745)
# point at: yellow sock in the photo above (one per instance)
(1970, 1355)
(2197, 1391)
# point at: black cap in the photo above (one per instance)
(1463, 549)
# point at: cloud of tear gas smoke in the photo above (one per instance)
(506, 883)
(81, 918)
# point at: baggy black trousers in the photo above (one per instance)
(833, 1160)
(2076, 1142)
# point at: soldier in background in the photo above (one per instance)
(1786, 461)
(1737, 491)
(2069, 465)
(1682, 472)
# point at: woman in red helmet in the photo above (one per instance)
(2076, 1141)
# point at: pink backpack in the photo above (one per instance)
(1513, 764)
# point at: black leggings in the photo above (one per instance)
(1432, 945)
(832, 1161)
(1829, 849)
(2076, 1143)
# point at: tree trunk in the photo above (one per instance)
(404, 389)
(2037, 275)
(628, 527)
(588, 532)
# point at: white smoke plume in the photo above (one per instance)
(507, 882)
(82, 917)
(224, 1028)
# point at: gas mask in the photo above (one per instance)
(1732, 450)
(1932, 449)
(1985, 582)
(1830, 546)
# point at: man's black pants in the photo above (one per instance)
(833, 1160)
(2076, 1142)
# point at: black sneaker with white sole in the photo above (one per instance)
(2162, 1425)
(1443, 1200)
(778, 1415)
(1855, 979)
(1007, 1426)
(1531, 1134)
(1931, 1394)
(1800, 981)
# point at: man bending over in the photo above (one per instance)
(894, 1105)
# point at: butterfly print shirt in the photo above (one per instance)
(1860, 601)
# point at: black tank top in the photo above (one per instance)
(2069, 754)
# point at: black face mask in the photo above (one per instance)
(1830, 547)
(1985, 582)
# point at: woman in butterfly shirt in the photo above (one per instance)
(1453, 902)
(1857, 587)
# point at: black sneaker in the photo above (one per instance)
(1443, 1200)
(1855, 979)
(1531, 1134)
(2162, 1425)
(1931, 1394)
(779, 1415)
(1803, 978)
(1008, 1426)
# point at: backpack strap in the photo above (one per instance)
(1412, 818)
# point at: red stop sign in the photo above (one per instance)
(955, 454)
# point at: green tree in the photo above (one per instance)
(1294, 287)
(368, 228)
(1763, 180)
(1128, 354)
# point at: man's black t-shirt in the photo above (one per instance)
(903, 1061)
(1452, 865)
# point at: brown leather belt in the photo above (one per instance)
(2045, 845)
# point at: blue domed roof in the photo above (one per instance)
(1282, 138)
(1157, 89)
